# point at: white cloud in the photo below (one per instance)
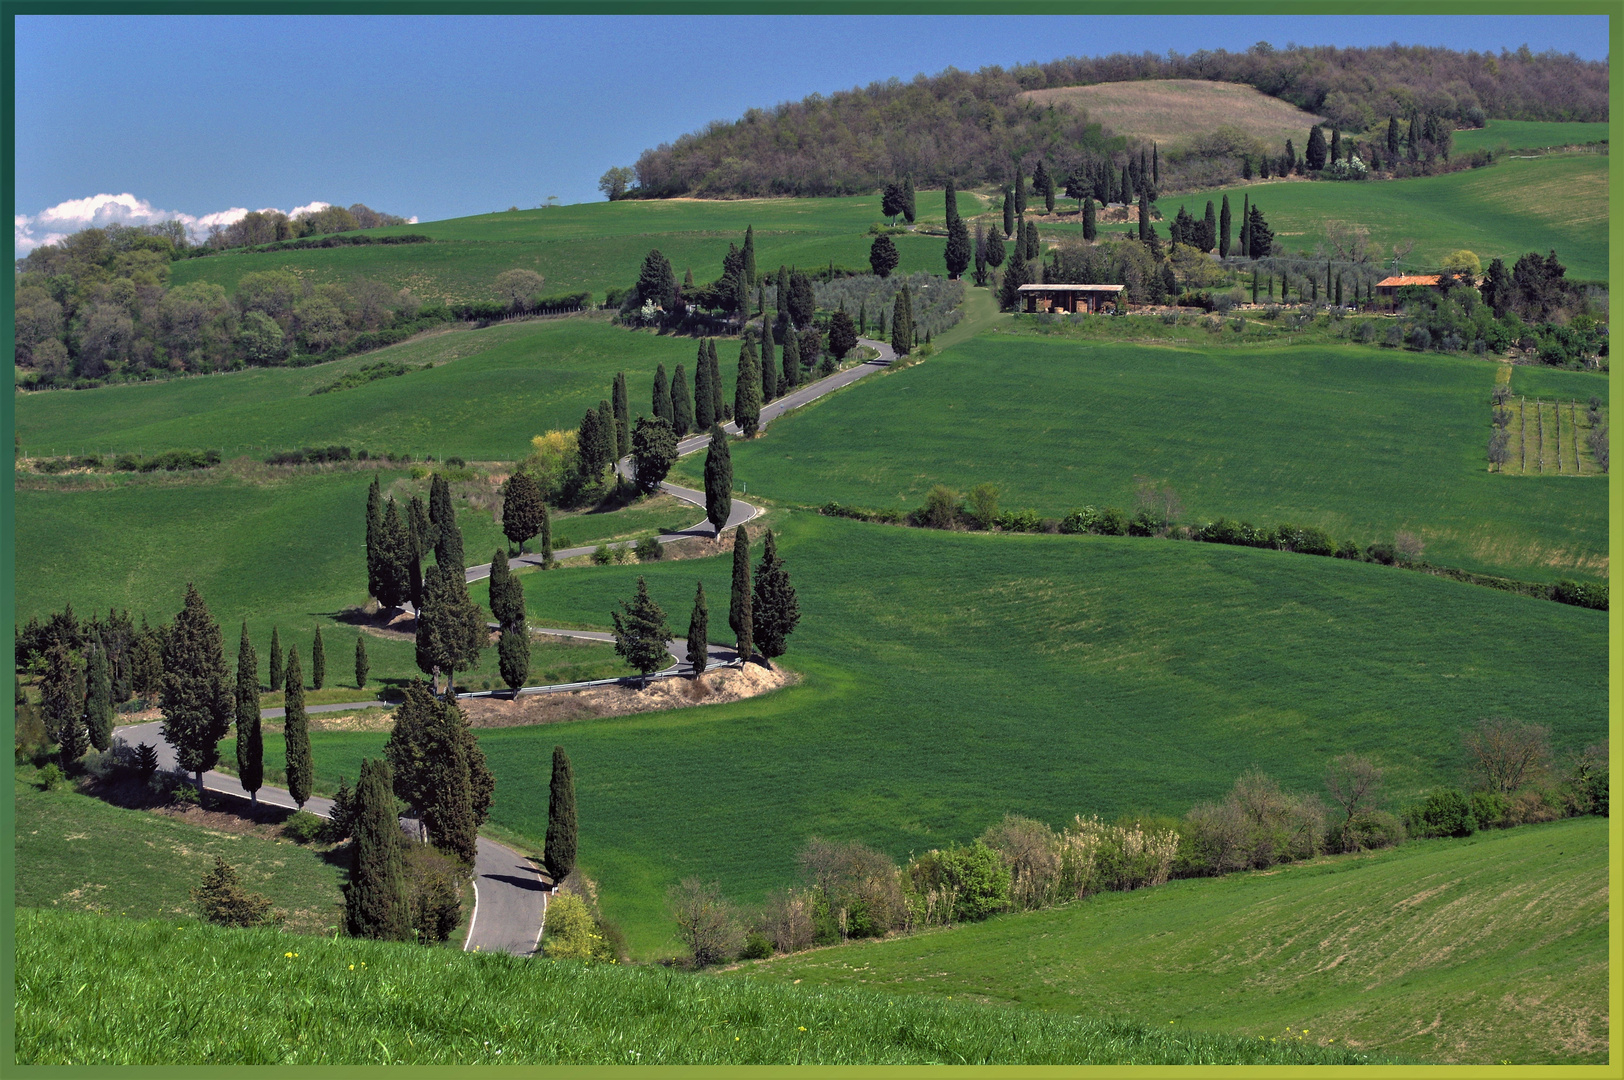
(30, 231)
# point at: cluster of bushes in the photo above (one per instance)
(383, 369)
(329, 455)
(306, 243)
(166, 461)
(850, 890)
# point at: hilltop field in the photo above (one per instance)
(1172, 112)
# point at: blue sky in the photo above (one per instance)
(438, 117)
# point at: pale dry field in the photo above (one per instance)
(1170, 111)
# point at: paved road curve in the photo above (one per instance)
(510, 894)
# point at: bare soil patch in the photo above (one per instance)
(713, 688)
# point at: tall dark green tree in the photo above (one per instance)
(197, 701)
(1246, 226)
(275, 682)
(654, 451)
(699, 633)
(1125, 192)
(769, 364)
(561, 844)
(1009, 212)
(1090, 220)
(441, 512)
(1009, 295)
(641, 633)
(750, 276)
(902, 326)
(995, 249)
(609, 450)
(362, 664)
(394, 581)
(978, 260)
(513, 656)
(792, 359)
(891, 201)
(717, 391)
(950, 202)
(662, 394)
(1020, 194)
(1144, 216)
(1314, 156)
(704, 416)
(318, 662)
(1336, 146)
(505, 591)
(450, 628)
(376, 902)
(738, 611)
(1392, 137)
(62, 704)
(682, 403)
(619, 405)
(1224, 230)
(1209, 229)
(909, 209)
(656, 281)
(882, 256)
(718, 480)
(250, 740)
(99, 695)
(1043, 185)
(296, 732)
(418, 749)
(1262, 237)
(522, 507)
(589, 442)
(1155, 165)
(958, 251)
(417, 523)
(747, 390)
(449, 813)
(374, 529)
(546, 538)
(774, 610)
(842, 334)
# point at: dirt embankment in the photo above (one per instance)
(713, 688)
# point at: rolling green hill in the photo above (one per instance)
(949, 678)
(597, 246)
(270, 998)
(1357, 440)
(1528, 135)
(1485, 950)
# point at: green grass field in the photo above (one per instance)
(76, 853)
(1527, 135)
(949, 678)
(269, 998)
(490, 392)
(1361, 441)
(599, 246)
(1482, 950)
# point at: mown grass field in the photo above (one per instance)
(77, 853)
(951, 678)
(1171, 111)
(598, 246)
(270, 998)
(1482, 950)
(1361, 441)
(490, 392)
(1528, 135)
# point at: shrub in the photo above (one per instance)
(1305, 540)
(1532, 805)
(1146, 523)
(1128, 856)
(1020, 521)
(1588, 594)
(1381, 553)
(572, 932)
(184, 794)
(303, 827)
(50, 778)
(433, 885)
(941, 509)
(602, 555)
(756, 946)
(1365, 831)
(649, 549)
(1443, 813)
(1045, 867)
(706, 921)
(1490, 809)
(858, 890)
(787, 920)
(223, 900)
(1364, 332)
(962, 883)
(981, 505)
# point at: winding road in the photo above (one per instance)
(510, 891)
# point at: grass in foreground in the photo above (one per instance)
(1361, 441)
(1483, 950)
(105, 991)
(77, 853)
(950, 678)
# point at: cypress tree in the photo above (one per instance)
(362, 664)
(1047, 189)
(62, 704)
(296, 732)
(662, 395)
(1144, 217)
(1223, 230)
(1315, 156)
(416, 523)
(1209, 229)
(1392, 137)
(376, 904)
(1263, 167)
(902, 323)
(1336, 146)
(950, 202)
(1414, 140)
(958, 251)
(641, 634)
(1009, 213)
(774, 610)
(769, 366)
(1090, 222)
(450, 629)
(608, 448)
(1126, 190)
(1034, 249)
(995, 255)
(792, 360)
(908, 206)
(1339, 290)
(318, 662)
(682, 403)
(197, 699)
(1155, 166)
(521, 508)
(862, 314)
(1246, 227)
(99, 696)
(502, 591)
(419, 748)
(561, 845)
(275, 682)
(750, 276)
(1254, 284)
(717, 411)
(588, 443)
(718, 480)
(699, 633)
(546, 538)
(513, 655)
(1020, 194)
(781, 300)
(704, 416)
(393, 580)
(250, 741)
(440, 509)
(738, 613)
(622, 411)
(374, 526)
(449, 814)
(979, 256)
(1288, 162)
(747, 390)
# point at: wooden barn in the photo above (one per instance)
(1069, 298)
